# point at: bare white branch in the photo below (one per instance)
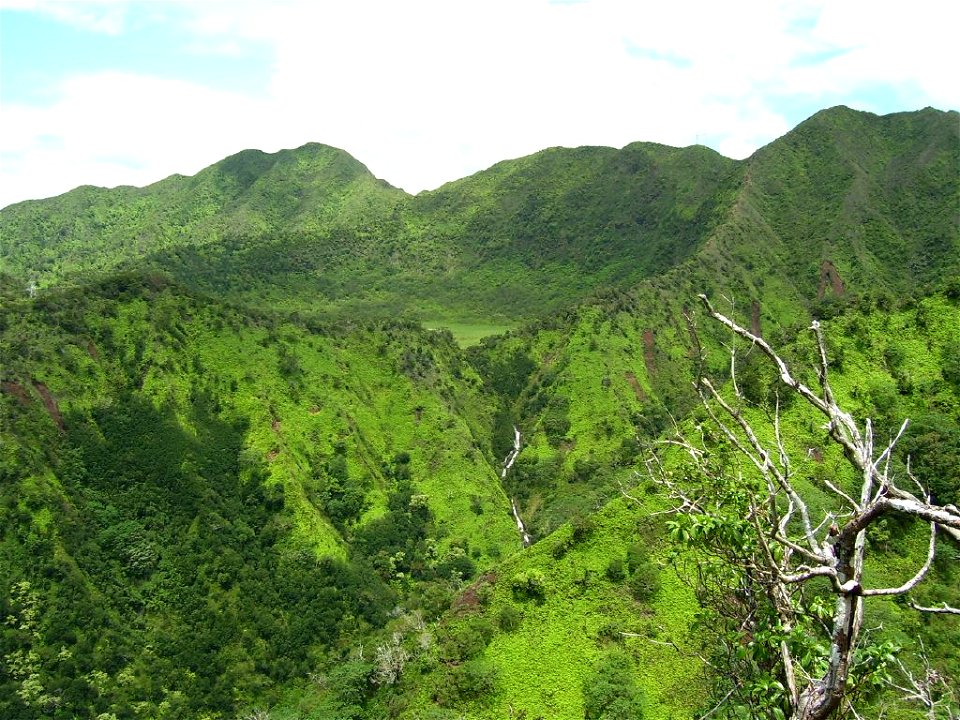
(780, 559)
(837, 491)
(804, 575)
(944, 608)
(915, 580)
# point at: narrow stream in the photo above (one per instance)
(507, 464)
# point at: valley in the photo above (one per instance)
(281, 440)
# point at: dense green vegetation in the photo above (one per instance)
(621, 570)
(202, 503)
(311, 230)
(238, 475)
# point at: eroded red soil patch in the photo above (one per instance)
(16, 390)
(829, 277)
(469, 599)
(50, 403)
(648, 351)
(635, 384)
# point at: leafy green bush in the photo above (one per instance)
(581, 527)
(476, 505)
(456, 564)
(556, 420)
(645, 583)
(349, 686)
(644, 580)
(637, 555)
(464, 641)
(343, 498)
(529, 585)
(615, 571)
(933, 443)
(610, 690)
(474, 680)
(950, 368)
(563, 546)
(509, 619)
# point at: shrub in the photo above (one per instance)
(474, 680)
(637, 555)
(529, 585)
(465, 641)
(477, 678)
(349, 683)
(582, 526)
(456, 564)
(609, 632)
(509, 619)
(562, 547)
(610, 691)
(615, 570)
(555, 421)
(645, 582)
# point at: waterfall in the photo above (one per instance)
(507, 464)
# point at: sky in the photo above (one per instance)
(122, 92)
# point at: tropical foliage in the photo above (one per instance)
(246, 472)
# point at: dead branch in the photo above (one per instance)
(944, 609)
(785, 559)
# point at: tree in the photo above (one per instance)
(610, 690)
(790, 581)
(391, 658)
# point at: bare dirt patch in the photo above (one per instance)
(16, 390)
(649, 348)
(635, 384)
(830, 277)
(50, 403)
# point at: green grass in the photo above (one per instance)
(468, 334)
(541, 666)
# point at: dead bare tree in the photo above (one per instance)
(776, 540)
(929, 689)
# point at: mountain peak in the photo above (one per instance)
(309, 162)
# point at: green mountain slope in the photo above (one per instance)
(847, 201)
(315, 189)
(837, 202)
(243, 486)
(199, 504)
(310, 229)
(536, 634)
(608, 590)
(800, 240)
(538, 233)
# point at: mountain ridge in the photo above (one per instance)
(238, 472)
(312, 143)
(521, 238)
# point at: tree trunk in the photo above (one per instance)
(822, 698)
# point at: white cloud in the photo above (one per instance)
(426, 92)
(116, 128)
(105, 16)
(907, 49)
